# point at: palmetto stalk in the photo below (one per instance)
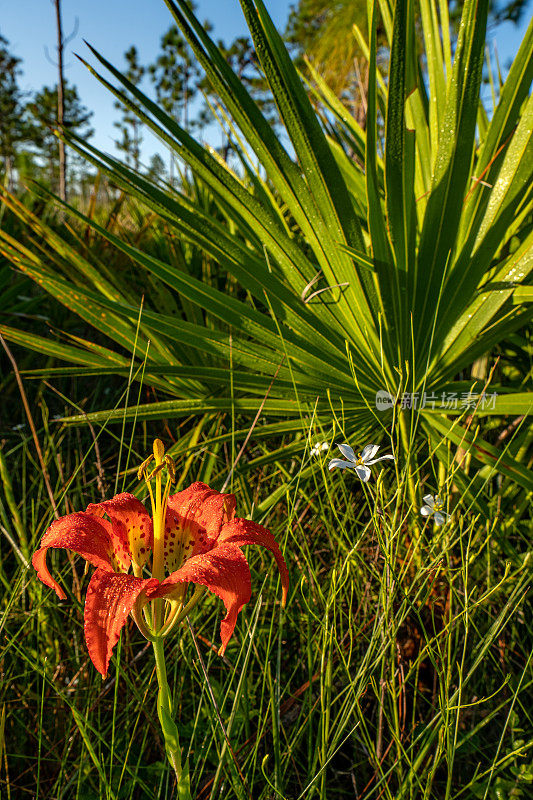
(420, 249)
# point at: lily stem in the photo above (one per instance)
(168, 726)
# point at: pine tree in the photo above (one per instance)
(129, 126)
(156, 169)
(42, 116)
(176, 76)
(13, 129)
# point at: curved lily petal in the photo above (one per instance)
(429, 500)
(243, 531)
(363, 473)
(369, 451)
(381, 458)
(81, 533)
(206, 507)
(440, 519)
(426, 511)
(347, 451)
(225, 572)
(338, 462)
(132, 525)
(110, 598)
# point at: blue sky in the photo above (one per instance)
(112, 26)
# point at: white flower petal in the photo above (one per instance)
(338, 462)
(429, 500)
(363, 472)
(439, 518)
(347, 451)
(318, 448)
(369, 451)
(381, 458)
(438, 500)
(426, 511)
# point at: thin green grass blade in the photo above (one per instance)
(483, 452)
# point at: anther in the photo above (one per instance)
(171, 468)
(141, 472)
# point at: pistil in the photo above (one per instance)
(159, 499)
(158, 513)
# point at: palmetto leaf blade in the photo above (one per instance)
(452, 169)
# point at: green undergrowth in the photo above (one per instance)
(255, 310)
(400, 668)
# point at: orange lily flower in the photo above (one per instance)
(198, 543)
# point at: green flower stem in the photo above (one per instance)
(404, 433)
(168, 726)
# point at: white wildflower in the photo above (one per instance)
(361, 462)
(318, 448)
(433, 508)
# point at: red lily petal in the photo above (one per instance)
(243, 531)
(132, 525)
(204, 506)
(224, 571)
(81, 533)
(110, 598)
